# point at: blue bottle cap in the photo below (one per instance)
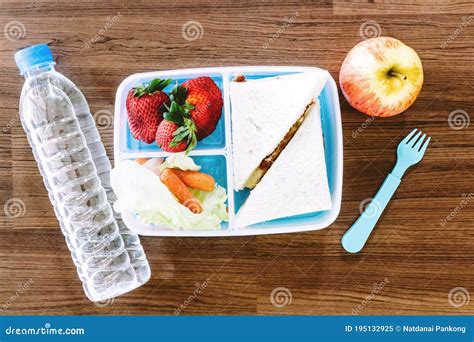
(33, 57)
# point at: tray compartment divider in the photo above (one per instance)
(229, 160)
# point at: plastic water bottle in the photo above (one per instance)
(102, 164)
(71, 158)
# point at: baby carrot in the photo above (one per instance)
(180, 191)
(141, 161)
(195, 179)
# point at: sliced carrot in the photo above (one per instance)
(196, 180)
(180, 191)
(193, 205)
(141, 161)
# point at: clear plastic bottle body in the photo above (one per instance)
(103, 166)
(72, 161)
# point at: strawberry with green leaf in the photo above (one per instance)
(195, 110)
(204, 102)
(145, 106)
(177, 131)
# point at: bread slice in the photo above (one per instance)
(296, 183)
(263, 111)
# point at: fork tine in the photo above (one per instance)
(405, 140)
(417, 145)
(425, 146)
(415, 139)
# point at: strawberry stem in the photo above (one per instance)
(179, 94)
(186, 132)
(178, 112)
(155, 85)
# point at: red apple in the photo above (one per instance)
(381, 76)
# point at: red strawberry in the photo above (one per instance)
(166, 137)
(206, 98)
(195, 109)
(145, 107)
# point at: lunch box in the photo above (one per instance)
(214, 153)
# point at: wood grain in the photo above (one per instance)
(412, 256)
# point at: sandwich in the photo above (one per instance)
(277, 147)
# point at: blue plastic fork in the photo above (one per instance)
(409, 152)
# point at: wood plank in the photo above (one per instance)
(421, 256)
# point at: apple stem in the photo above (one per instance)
(397, 75)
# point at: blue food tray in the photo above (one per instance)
(214, 153)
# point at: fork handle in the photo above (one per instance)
(356, 237)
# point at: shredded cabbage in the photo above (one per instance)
(140, 191)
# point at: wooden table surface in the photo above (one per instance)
(414, 263)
